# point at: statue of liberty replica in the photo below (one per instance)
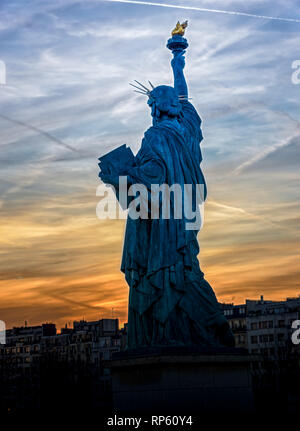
(170, 302)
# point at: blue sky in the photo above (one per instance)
(67, 101)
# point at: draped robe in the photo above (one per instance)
(170, 302)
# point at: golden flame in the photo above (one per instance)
(180, 28)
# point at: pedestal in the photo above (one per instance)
(182, 381)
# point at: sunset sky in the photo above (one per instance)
(67, 101)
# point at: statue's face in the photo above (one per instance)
(162, 99)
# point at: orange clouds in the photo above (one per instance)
(65, 267)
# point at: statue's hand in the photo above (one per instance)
(178, 61)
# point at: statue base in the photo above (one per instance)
(181, 381)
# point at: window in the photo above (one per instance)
(228, 312)
(236, 324)
(254, 325)
(264, 338)
(263, 325)
(254, 339)
(281, 323)
(241, 339)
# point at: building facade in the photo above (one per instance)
(264, 327)
(88, 342)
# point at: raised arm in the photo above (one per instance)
(178, 64)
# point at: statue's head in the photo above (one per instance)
(164, 101)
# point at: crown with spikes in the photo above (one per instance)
(142, 89)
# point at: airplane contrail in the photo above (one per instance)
(200, 9)
(42, 132)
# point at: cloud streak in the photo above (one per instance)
(200, 9)
(42, 132)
